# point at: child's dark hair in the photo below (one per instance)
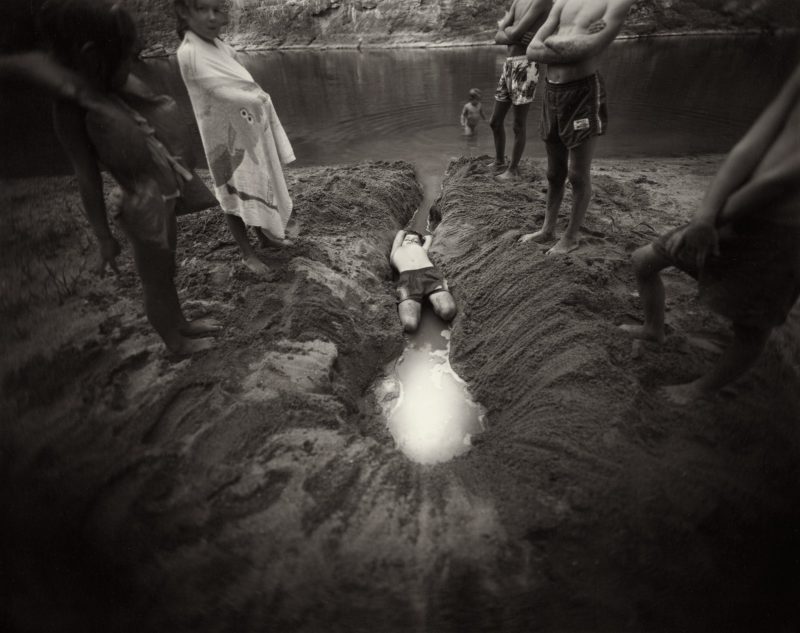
(419, 235)
(68, 25)
(180, 24)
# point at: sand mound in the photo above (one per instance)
(628, 506)
(253, 488)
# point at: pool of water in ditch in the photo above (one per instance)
(427, 407)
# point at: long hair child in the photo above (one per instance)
(244, 142)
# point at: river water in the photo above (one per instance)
(667, 96)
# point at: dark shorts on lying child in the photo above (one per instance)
(755, 280)
(420, 283)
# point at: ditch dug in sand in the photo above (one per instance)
(254, 488)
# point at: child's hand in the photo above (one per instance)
(696, 241)
(109, 250)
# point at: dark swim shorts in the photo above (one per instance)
(420, 283)
(755, 280)
(573, 112)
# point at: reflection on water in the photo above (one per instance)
(667, 96)
(428, 408)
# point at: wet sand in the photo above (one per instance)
(255, 487)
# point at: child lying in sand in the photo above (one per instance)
(743, 245)
(419, 278)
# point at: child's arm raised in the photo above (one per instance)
(70, 127)
(398, 240)
(426, 242)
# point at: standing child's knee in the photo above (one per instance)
(642, 261)
(580, 180)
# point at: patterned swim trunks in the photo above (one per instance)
(518, 80)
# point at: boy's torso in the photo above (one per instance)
(575, 19)
(410, 258)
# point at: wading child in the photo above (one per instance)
(743, 245)
(419, 278)
(472, 112)
(244, 141)
(95, 39)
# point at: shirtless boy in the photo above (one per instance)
(743, 245)
(517, 83)
(571, 42)
(418, 279)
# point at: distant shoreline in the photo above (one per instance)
(160, 51)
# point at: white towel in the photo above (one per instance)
(244, 141)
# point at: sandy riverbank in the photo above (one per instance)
(250, 488)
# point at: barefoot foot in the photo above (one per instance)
(538, 236)
(509, 175)
(189, 346)
(266, 240)
(643, 332)
(563, 246)
(257, 266)
(198, 327)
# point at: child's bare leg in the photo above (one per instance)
(520, 133)
(409, 312)
(647, 264)
(557, 162)
(498, 131)
(444, 305)
(580, 177)
(249, 257)
(161, 303)
(747, 345)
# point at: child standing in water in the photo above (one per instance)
(95, 39)
(472, 112)
(244, 141)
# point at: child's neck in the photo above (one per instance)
(205, 39)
